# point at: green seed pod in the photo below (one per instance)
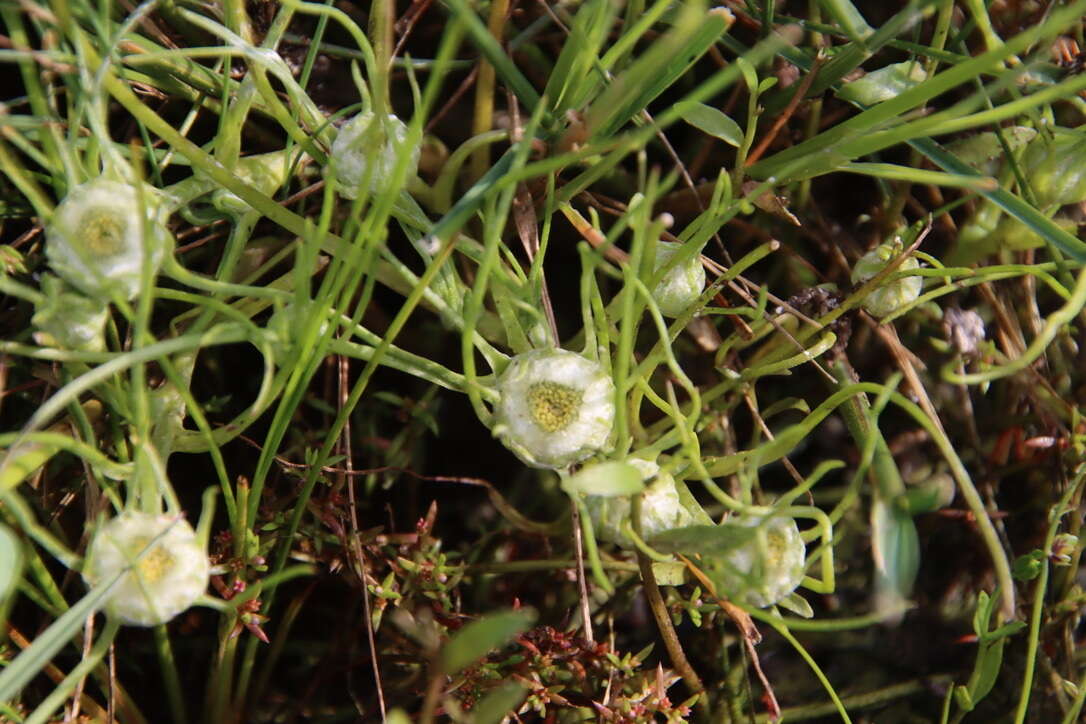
(682, 285)
(661, 508)
(768, 568)
(893, 295)
(885, 83)
(163, 581)
(266, 172)
(557, 408)
(367, 150)
(1057, 170)
(102, 232)
(287, 326)
(67, 319)
(984, 151)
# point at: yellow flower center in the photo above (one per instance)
(154, 566)
(103, 231)
(553, 406)
(776, 546)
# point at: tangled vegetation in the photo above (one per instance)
(542, 361)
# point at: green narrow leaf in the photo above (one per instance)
(11, 562)
(961, 696)
(495, 55)
(921, 175)
(885, 83)
(499, 703)
(984, 147)
(608, 480)
(982, 614)
(849, 18)
(933, 494)
(715, 123)
(707, 540)
(851, 55)
(1013, 205)
(750, 75)
(896, 550)
(654, 72)
(989, 661)
(577, 71)
(797, 604)
(479, 637)
(823, 152)
(989, 653)
(37, 656)
(669, 574)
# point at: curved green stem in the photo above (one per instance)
(1039, 589)
(1062, 316)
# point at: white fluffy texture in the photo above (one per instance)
(365, 151)
(891, 296)
(585, 432)
(661, 508)
(163, 582)
(780, 556)
(682, 285)
(97, 239)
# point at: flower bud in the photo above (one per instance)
(768, 567)
(162, 581)
(557, 408)
(661, 508)
(890, 296)
(1064, 546)
(1056, 170)
(367, 150)
(102, 232)
(682, 285)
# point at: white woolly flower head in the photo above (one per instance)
(102, 232)
(893, 295)
(557, 408)
(164, 580)
(682, 285)
(769, 566)
(367, 150)
(661, 507)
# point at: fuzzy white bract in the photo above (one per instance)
(163, 581)
(769, 567)
(661, 508)
(366, 151)
(102, 232)
(893, 295)
(682, 285)
(557, 408)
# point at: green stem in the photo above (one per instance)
(783, 631)
(1039, 598)
(667, 630)
(170, 678)
(63, 690)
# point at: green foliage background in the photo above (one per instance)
(314, 378)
